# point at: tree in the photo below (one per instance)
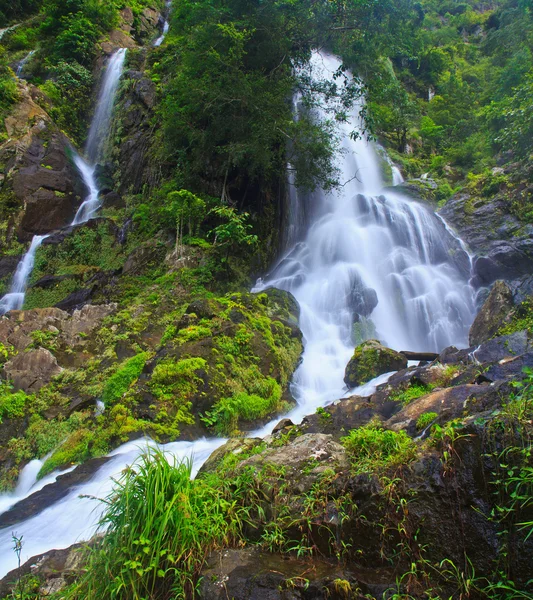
(184, 207)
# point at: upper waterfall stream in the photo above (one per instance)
(95, 147)
(364, 261)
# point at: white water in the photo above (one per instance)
(23, 62)
(14, 299)
(91, 204)
(97, 137)
(99, 130)
(166, 25)
(362, 253)
(339, 247)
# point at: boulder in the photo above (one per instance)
(252, 574)
(51, 572)
(31, 370)
(234, 446)
(494, 313)
(371, 359)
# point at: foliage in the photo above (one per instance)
(160, 526)
(372, 448)
(119, 383)
(412, 392)
(12, 404)
(425, 419)
(8, 86)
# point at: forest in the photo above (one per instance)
(266, 299)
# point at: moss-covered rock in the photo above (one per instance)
(371, 359)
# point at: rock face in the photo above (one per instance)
(493, 314)
(31, 370)
(503, 245)
(40, 176)
(371, 359)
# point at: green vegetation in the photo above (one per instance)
(160, 526)
(425, 419)
(12, 404)
(372, 448)
(119, 383)
(412, 392)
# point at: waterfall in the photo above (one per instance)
(166, 25)
(96, 140)
(359, 260)
(23, 62)
(14, 299)
(99, 129)
(368, 263)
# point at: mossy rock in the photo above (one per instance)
(371, 359)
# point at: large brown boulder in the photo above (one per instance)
(494, 313)
(31, 370)
(371, 359)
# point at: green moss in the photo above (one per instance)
(119, 383)
(12, 404)
(521, 320)
(37, 297)
(371, 359)
(75, 449)
(414, 391)
(243, 406)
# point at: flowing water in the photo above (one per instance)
(361, 262)
(14, 299)
(23, 62)
(99, 129)
(367, 262)
(166, 25)
(98, 135)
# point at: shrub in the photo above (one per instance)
(160, 526)
(12, 404)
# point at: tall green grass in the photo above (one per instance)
(160, 526)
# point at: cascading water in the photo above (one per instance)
(354, 259)
(364, 262)
(99, 129)
(14, 299)
(23, 62)
(98, 134)
(166, 25)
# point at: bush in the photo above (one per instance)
(160, 526)
(12, 404)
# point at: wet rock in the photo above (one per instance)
(250, 574)
(234, 446)
(282, 425)
(304, 460)
(52, 571)
(448, 403)
(31, 370)
(203, 309)
(51, 493)
(339, 418)
(282, 304)
(8, 265)
(371, 359)
(503, 244)
(506, 346)
(495, 312)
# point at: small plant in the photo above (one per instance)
(372, 448)
(414, 391)
(425, 419)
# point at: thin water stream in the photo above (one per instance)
(95, 148)
(361, 262)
